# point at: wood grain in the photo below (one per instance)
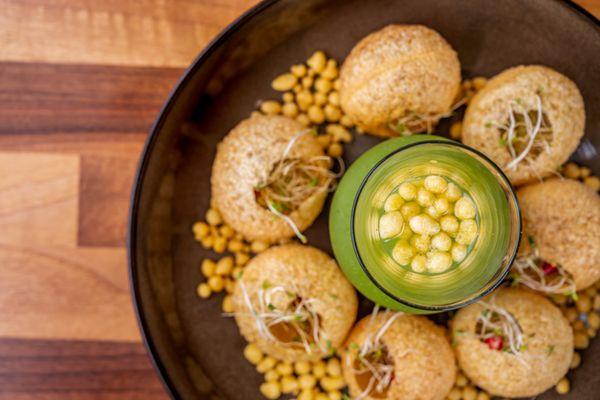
(61, 370)
(114, 32)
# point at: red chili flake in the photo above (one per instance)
(494, 342)
(548, 268)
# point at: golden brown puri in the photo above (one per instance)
(548, 341)
(294, 272)
(563, 218)
(244, 159)
(518, 87)
(424, 364)
(397, 70)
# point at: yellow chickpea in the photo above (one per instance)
(316, 114)
(425, 198)
(335, 150)
(563, 386)
(409, 210)
(271, 390)
(284, 368)
(390, 224)
(216, 283)
(424, 225)
(435, 184)
(420, 243)
(307, 381)
(317, 61)
(439, 262)
(334, 367)
(408, 191)
(200, 229)
(284, 82)
(302, 367)
(253, 353)
(203, 290)
(224, 266)
(402, 252)
(464, 208)
(290, 110)
(393, 203)
(319, 369)
(213, 217)
(441, 242)
(419, 263)
(266, 364)
(289, 384)
(449, 224)
(208, 267)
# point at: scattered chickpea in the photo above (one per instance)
(208, 267)
(571, 315)
(581, 340)
(469, 393)
(563, 386)
(303, 119)
(219, 244)
(235, 246)
(229, 285)
(284, 368)
(335, 150)
(337, 84)
(316, 114)
(320, 98)
(288, 97)
(200, 229)
(224, 266)
(290, 110)
(483, 396)
(302, 367)
(346, 121)
(284, 82)
(323, 85)
(227, 304)
(335, 395)
(334, 367)
(317, 61)
(304, 99)
(289, 384)
(253, 353)
(241, 258)
(306, 394)
(592, 182)
(594, 320)
(461, 380)
(456, 130)
(307, 381)
(479, 82)
(575, 361)
(213, 217)
(270, 107)
(329, 383)
(271, 375)
(271, 390)
(258, 247)
(584, 303)
(307, 82)
(207, 242)
(584, 172)
(299, 70)
(203, 290)
(455, 394)
(571, 170)
(319, 369)
(266, 364)
(226, 231)
(216, 283)
(332, 113)
(321, 396)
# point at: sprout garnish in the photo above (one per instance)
(294, 180)
(520, 133)
(372, 356)
(532, 271)
(496, 327)
(412, 122)
(299, 315)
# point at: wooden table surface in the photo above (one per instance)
(81, 82)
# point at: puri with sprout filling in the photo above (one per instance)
(400, 80)
(270, 178)
(432, 224)
(561, 253)
(391, 355)
(513, 343)
(528, 119)
(294, 303)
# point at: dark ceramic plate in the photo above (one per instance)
(197, 352)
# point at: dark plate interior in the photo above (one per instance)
(197, 351)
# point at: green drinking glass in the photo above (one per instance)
(366, 260)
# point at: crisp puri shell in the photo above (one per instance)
(561, 102)
(397, 69)
(424, 364)
(563, 218)
(309, 273)
(500, 373)
(244, 159)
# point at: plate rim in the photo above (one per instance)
(131, 239)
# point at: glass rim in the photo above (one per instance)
(494, 282)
